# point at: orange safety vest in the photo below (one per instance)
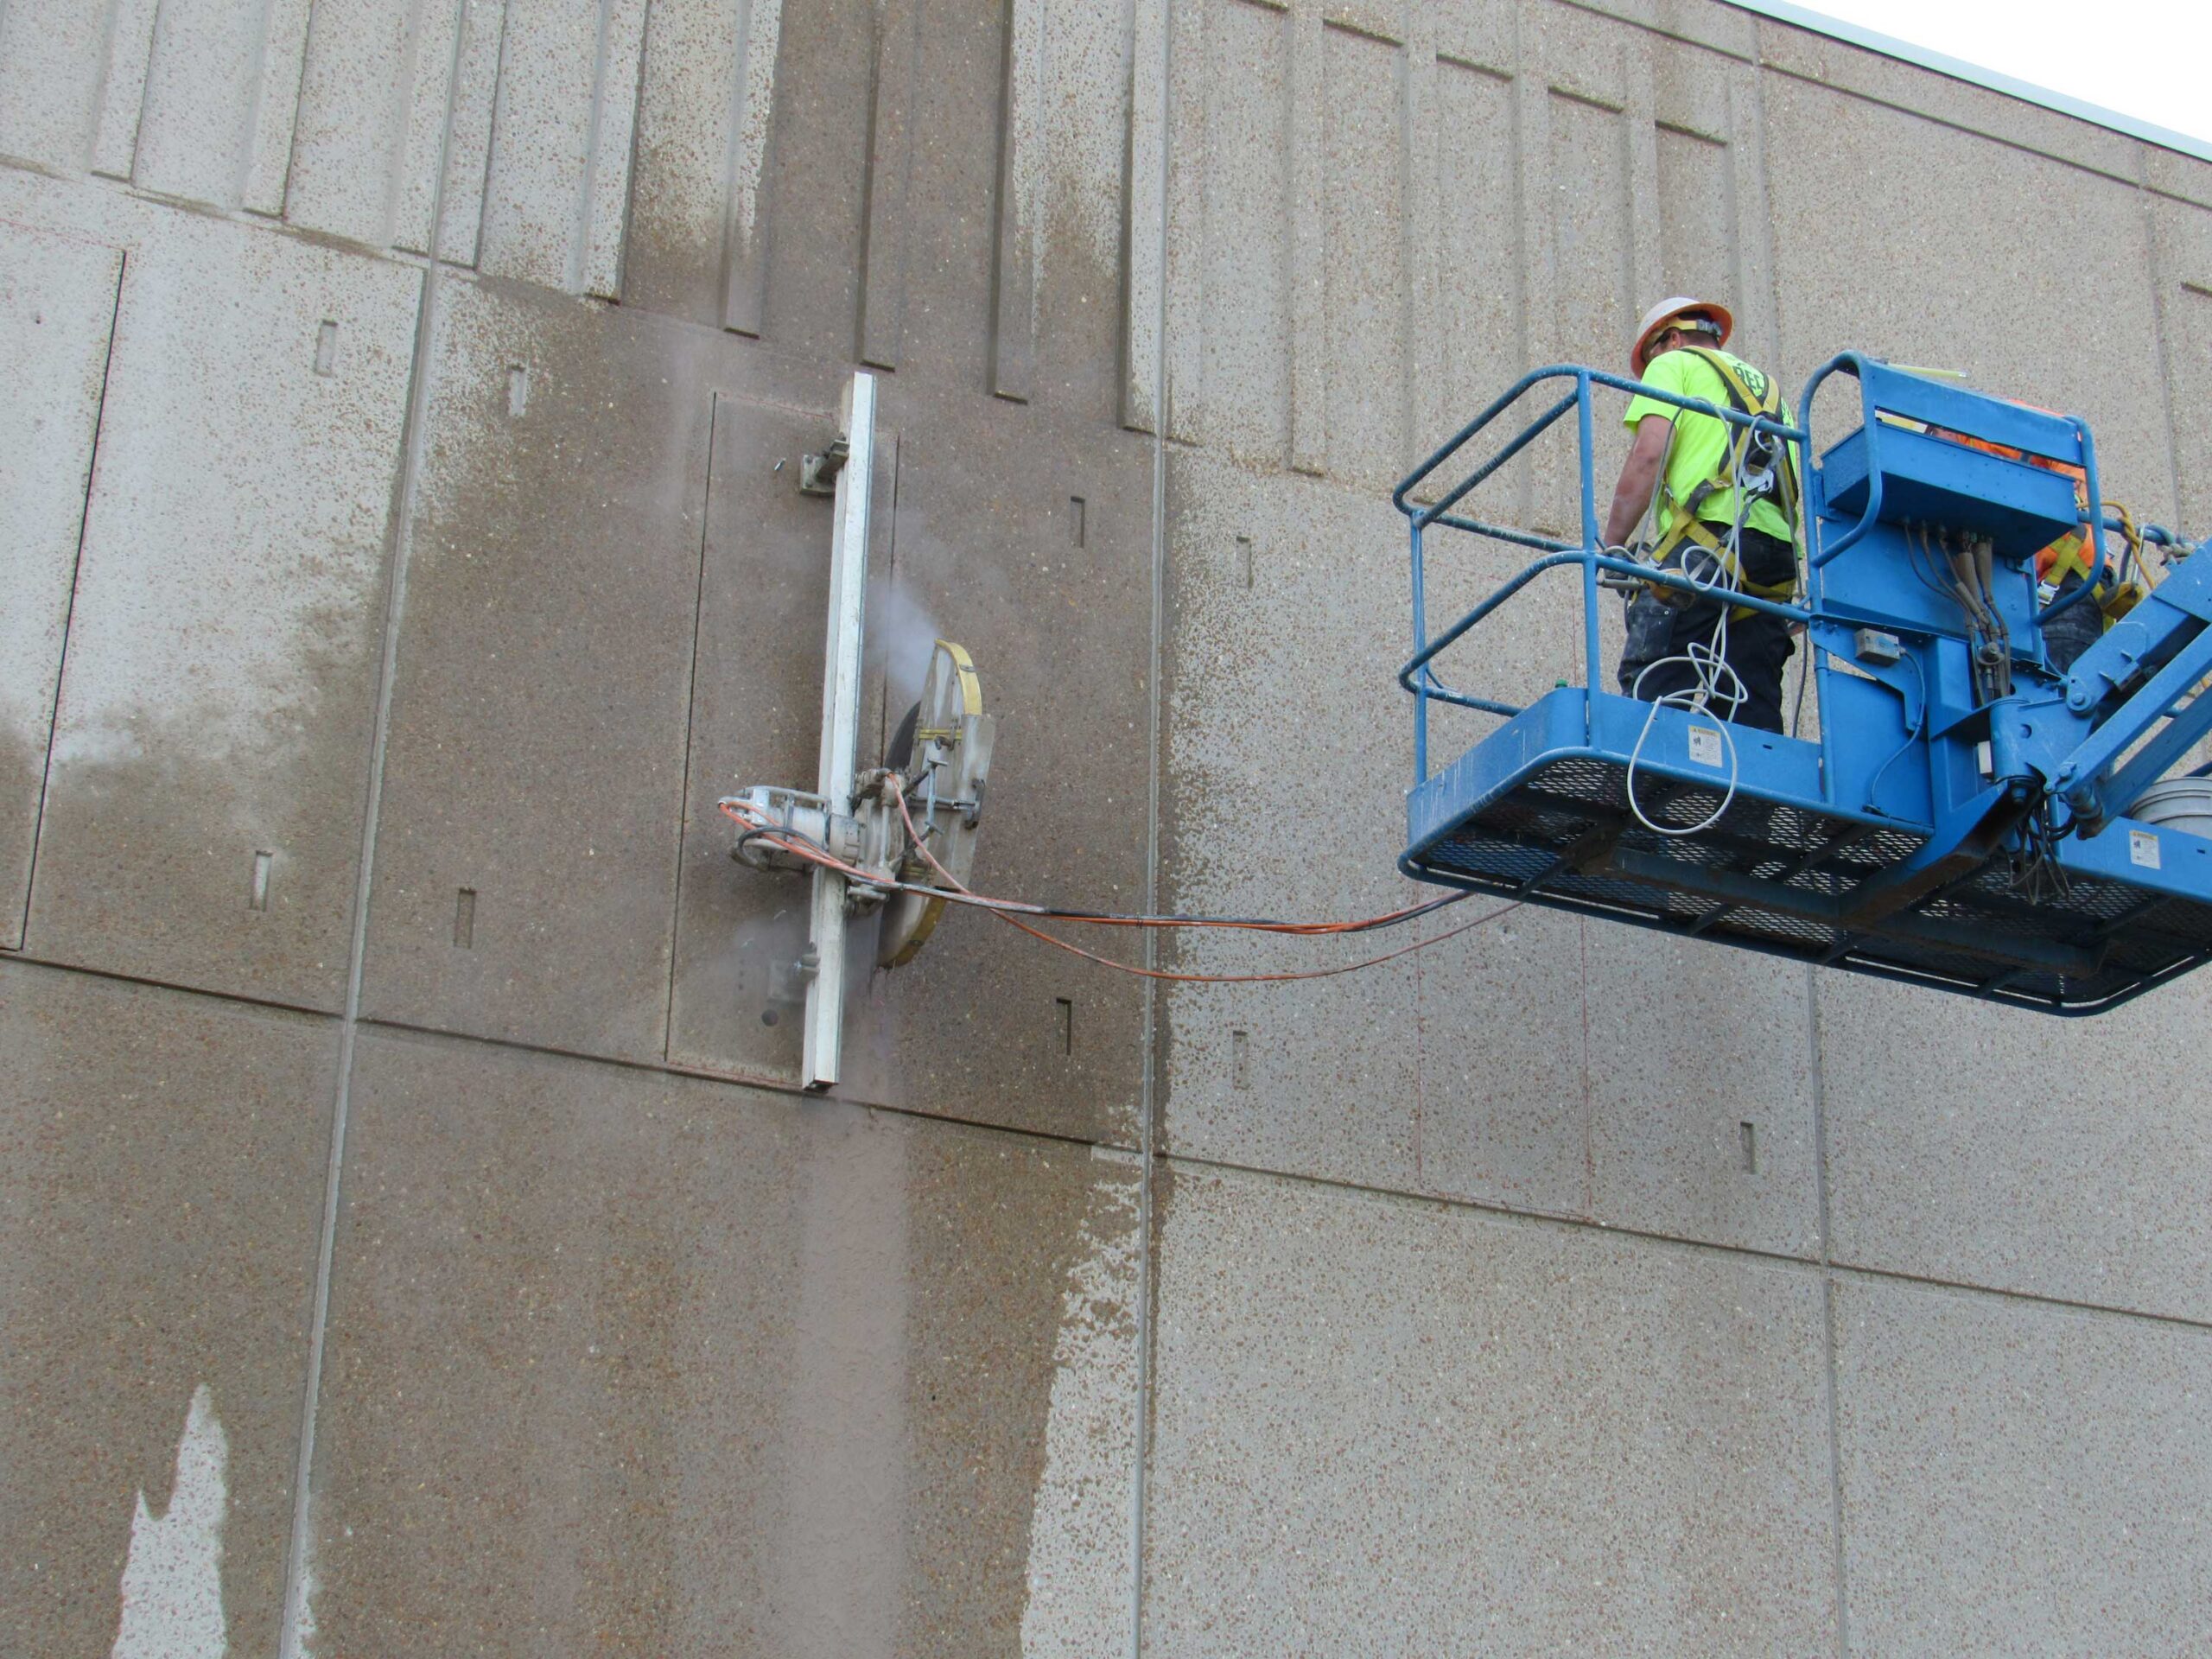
(2070, 555)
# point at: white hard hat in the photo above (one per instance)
(1657, 319)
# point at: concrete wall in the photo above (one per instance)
(413, 1243)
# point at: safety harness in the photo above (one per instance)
(2072, 556)
(1761, 461)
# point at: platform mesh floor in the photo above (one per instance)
(1515, 844)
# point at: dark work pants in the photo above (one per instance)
(2066, 636)
(1758, 645)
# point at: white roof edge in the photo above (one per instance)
(1958, 69)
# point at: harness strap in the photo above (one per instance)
(1768, 407)
(1689, 526)
(2067, 557)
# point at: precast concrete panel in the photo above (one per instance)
(462, 135)
(1029, 547)
(1817, 59)
(1228, 273)
(1956, 272)
(203, 807)
(1976, 1145)
(1709, 215)
(1502, 1108)
(1461, 1071)
(1305, 141)
(1470, 339)
(1699, 1065)
(1029, 539)
(1613, 1352)
(191, 100)
(1363, 363)
(57, 307)
(283, 56)
(1723, 29)
(730, 1372)
(390, 101)
(558, 185)
(121, 97)
(1005, 533)
(1287, 748)
(52, 54)
(368, 65)
(940, 196)
(526, 856)
(797, 202)
(819, 185)
(1470, 201)
(1381, 1425)
(2183, 274)
(891, 149)
(1588, 149)
(160, 1189)
(708, 77)
(1594, 293)
(1156, 213)
(1065, 141)
(1331, 259)
(2170, 173)
(2019, 1478)
(755, 717)
(197, 128)
(1697, 253)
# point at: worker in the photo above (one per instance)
(2063, 566)
(1709, 528)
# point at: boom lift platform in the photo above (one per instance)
(1971, 817)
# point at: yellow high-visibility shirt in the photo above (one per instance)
(1700, 449)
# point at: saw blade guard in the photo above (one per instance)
(941, 757)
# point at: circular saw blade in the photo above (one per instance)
(951, 689)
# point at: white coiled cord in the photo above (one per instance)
(1708, 661)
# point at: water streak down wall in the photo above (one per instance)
(403, 551)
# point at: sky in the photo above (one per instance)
(2143, 58)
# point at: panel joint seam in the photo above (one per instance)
(1829, 1388)
(690, 714)
(1149, 1103)
(295, 1613)
(69, 613)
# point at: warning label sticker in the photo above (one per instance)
(1705, 746)
(2143, 848)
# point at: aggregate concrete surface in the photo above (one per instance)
(414, 1239)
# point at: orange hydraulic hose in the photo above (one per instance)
(1004, 909)
(1198, 979)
